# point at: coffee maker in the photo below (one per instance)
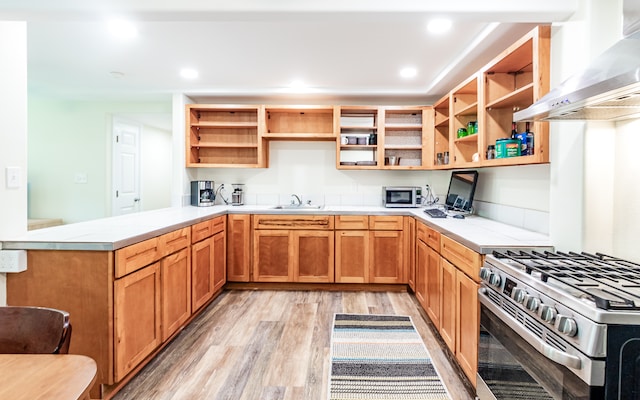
(202, 193)
(237, 196)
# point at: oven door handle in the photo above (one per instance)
(561, 357)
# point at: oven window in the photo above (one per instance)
(513, 369)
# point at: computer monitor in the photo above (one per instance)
(462, 187)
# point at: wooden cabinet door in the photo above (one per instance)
(467, 325)
(313, 256)
(422, 260)
(137, 318)
(202, 254)
(352, 256)
(448, 304)
(219, 261)
(433, 275)
(387, 257)
(272, 256)
(410, 248)
(239, 247)
(175, 272)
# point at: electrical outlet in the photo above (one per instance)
(13, 261)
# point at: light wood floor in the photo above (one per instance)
(268, 345)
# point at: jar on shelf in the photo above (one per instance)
(446, 157)
(491, 152)
(439, 159)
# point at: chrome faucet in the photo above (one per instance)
(297, 198)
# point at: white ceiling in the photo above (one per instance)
(254, 49)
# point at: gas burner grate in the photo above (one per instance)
(609, 282)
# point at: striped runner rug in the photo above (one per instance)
(380, 357)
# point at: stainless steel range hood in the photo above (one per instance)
(608, 89)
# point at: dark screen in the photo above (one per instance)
(461, 190)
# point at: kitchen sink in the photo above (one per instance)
(298, 207)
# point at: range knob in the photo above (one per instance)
(518, 295)
(531, 302)
(494, 279)
(485, 273)
(566, 325)
(547, 313)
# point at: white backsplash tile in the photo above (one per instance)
(533, 220)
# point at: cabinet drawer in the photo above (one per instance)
(218, 224)
(174, 241)
(201, 230)
(136, 256)
(307, 222)
(465, 259)
(386, 222)
(352, 222)
(433, 239)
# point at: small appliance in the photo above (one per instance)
(202, 193)
(237, 196)
(401, 196)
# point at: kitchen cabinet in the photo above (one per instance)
(447, 283)
(355, 126)
(461, 270)
(175, 274)
(175, 271)
(208, 261)
(137, 317)
(441, 130)
(513, 81)
(410, 246)
(403, 136)
(429, 293)
(422, 259)
(300, 123)
(225, 136)
(464, 99)
(239, 247)
(371, 249)
(352, 248)
(293, 248)
(448, 304)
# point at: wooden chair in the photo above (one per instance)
(34, 330)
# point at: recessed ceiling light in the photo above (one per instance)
(116, 74)
(188, 73)
(408, 72)
(122, 29)
(439, 25)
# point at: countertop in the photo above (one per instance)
(479, 234)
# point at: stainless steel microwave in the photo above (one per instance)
(401, 196)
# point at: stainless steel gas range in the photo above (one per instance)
(559, 326)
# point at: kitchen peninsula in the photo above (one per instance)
(132, 282)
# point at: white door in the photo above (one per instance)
(126, 167)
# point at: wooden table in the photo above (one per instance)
(46, 376)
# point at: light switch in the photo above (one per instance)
(80, 177)
(13, 177)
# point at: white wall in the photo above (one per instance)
(13, 131)
(69, 137)
(155, 168)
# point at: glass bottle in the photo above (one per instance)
(446, 157)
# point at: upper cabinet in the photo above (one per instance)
(357, 144)
(387, 137)
(403, 137)
(300, 123)
(472, 120)
(470, 127)
(513, 81)
(464, 123)
(225, 136)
